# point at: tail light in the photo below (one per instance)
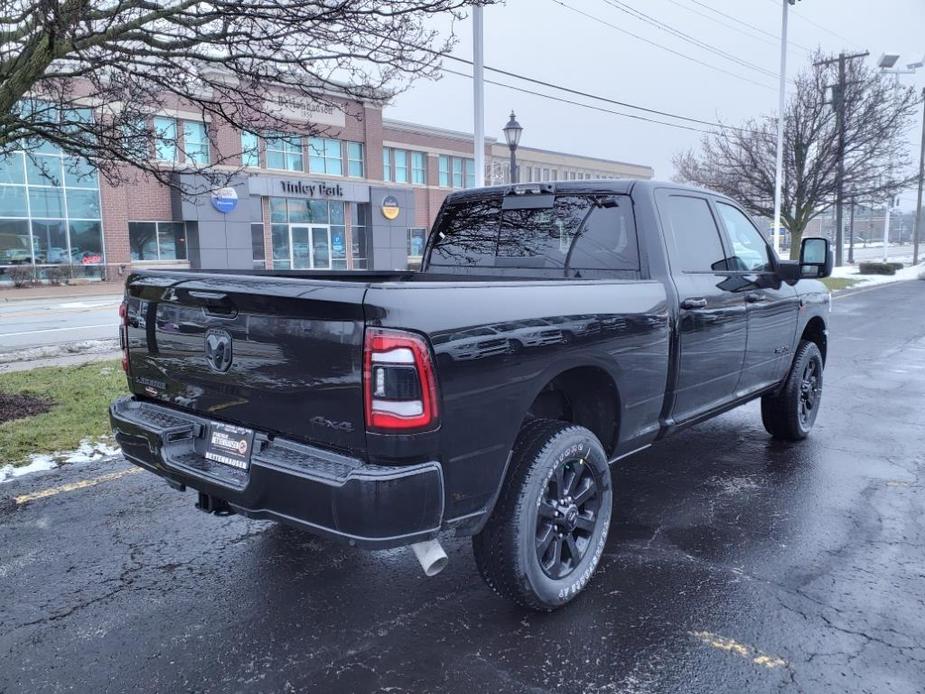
(399, 383)
(123, 333)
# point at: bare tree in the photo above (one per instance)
(86, 75)
(740, 161)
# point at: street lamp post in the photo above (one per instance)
(512, 133)
(781, 105)
(887, 63)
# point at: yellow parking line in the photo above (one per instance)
(73, 486)
(740, 649)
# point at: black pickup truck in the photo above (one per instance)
(552, 330)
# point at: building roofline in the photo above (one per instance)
(557, 153)
(408, 126)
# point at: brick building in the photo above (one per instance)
(361, 195)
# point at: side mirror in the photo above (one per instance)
(815, 258)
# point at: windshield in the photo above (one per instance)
(571, 233)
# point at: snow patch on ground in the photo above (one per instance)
(53, 351)
(86, 452)
(910, 272)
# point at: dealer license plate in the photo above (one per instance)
(230, 445)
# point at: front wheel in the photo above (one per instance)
(790, 413)
(547, 532)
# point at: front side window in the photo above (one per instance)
(284, 152)
(157, 240)
(694, 238)
(749, 250)
(165, 139)
(196, 142)
(250, 149)
(355, 160)
(325, 156)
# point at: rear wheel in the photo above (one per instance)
(548, 529)
(791, 413)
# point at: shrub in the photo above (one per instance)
(873, 268)
(897, 266)
(21, 275)
(58, 274)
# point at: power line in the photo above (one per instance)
(663, 47)
(658, 24)
(592, 107)
(597, 97)
(768, 37)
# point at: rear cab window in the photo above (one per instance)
(575, 235)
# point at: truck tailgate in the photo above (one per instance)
(271, 354)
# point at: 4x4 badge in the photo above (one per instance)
(218, 350)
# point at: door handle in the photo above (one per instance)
(696, 302)
(753, 298)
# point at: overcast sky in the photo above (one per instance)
(545, 40)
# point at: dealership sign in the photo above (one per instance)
(224, 199)
(390, 207)
(313, 190)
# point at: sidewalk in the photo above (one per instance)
(62, 292)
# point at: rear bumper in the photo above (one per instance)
(328, 494)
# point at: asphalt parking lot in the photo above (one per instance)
(734, 564)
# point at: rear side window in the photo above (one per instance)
(694, 241)
(574, 233)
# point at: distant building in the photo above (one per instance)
(361, 196)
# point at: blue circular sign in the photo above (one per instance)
(224, 199)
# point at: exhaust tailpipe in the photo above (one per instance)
(431, 556)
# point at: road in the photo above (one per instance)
(734, 564)
(36, 322)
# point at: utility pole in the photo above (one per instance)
(851, 234)
(919, 221)
(838, 103)
(478, 95)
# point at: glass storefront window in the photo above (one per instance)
(418, 168)
(86, 243)
(401, 166)
(284, 152)
(49, 238)
(358, 235)
(325, 156)
(44, 170)
(15, 248)
(142, 237)
(13, 201)
(355, 160)
(79, 173)
(308, 234)
(257, 246)
(417, 237)
(165, 139)
(196, 142)
(12, 169)
(83, 204)
(156, 240)
(282, 259)
(456, 172)
(46, 202)
(171, 240)
(250, 149)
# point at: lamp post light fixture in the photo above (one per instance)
(512, 132)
